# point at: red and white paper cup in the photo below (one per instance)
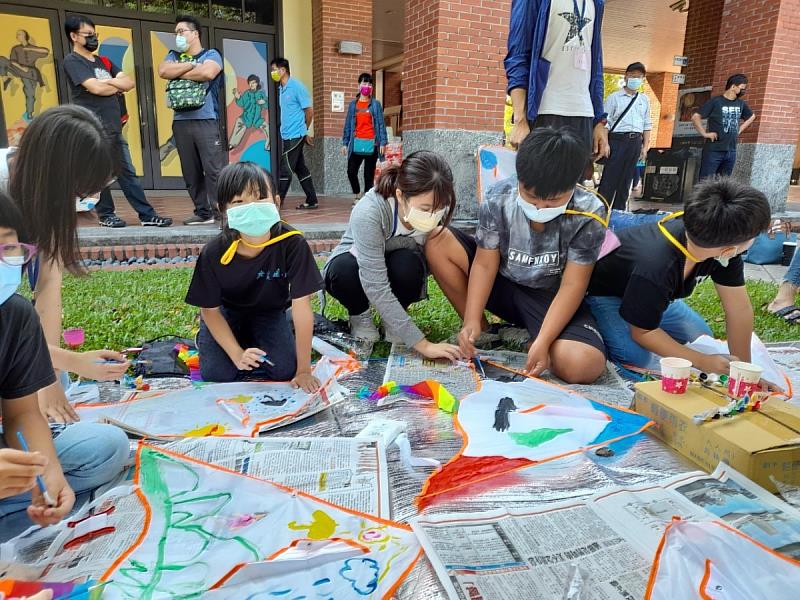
(745, 378)
(675, 375)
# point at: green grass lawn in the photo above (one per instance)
(119, 309)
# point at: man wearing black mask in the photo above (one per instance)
(724, 114)
(95, 83)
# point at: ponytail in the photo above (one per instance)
(387, 183)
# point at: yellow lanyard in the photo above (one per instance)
(231, 251)
(601, 220)
(672, 239)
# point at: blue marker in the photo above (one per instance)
(48, 499)
(265, 359)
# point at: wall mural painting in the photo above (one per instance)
(27, 71)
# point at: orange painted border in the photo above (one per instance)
(148, 513)
(704, 582)
(424, 496)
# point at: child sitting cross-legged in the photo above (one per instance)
(538, 238)
(246, 279)
(82, 456)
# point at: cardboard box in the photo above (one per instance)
(757, 444)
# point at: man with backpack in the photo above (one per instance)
(97, 84)
(194, 75)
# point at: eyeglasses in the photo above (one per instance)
(16, 255)
(182, 31)
(88, 33)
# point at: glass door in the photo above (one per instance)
(249, 97)
(29, 44)
(158, 39)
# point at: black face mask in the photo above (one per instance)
(91, 43)
(741, 93)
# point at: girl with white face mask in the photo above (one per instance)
(380, 260)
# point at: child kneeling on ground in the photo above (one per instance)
(538, 237)
(635, 292)
(245, 280)
(83, 456)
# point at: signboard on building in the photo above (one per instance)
(337, 101)
(689, 101)
(678, 78)
(680, 61)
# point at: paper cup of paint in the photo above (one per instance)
(74, 337)
(675, 375)
(745, 379)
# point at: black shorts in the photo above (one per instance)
(583, 126)
(526, 307)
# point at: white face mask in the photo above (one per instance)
(422, 221)
(181, 43)
(634, 83)
(725, 260)
(540, 215)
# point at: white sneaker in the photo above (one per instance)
(363, 327)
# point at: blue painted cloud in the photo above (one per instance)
(362, 573)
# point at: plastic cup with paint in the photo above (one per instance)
(74, 337)
(745, 379)
(675, 375)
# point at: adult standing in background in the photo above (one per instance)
(96, 84)
(197, 131)
(364, 138)
(554, 68)
(297, 114)
(629, 125)
(724, 114)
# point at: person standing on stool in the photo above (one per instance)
(297, 115)
(723, 113)
(629, 136)
(364, 138)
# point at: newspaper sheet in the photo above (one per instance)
(608, 540)
(349, 472)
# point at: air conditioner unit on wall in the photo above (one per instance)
(346, 47)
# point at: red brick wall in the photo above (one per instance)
(769, 59)
(332, 22)
(700, 43)
(454, 76)
(666, 98)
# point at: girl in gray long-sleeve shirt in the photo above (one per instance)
(380, 262)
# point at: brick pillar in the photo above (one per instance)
(759, 39)
(454, 83)
(700, 42)
(663, 109)
(332, 22)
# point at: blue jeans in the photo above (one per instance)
(129, 183)
(91, 455)
(793, 274)
(679, 321)
(269, 332)
(715, 163)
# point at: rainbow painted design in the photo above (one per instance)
(427, 389)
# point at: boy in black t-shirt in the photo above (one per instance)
(244, 281)
(84, 455)
(635, 291)
(724, 114)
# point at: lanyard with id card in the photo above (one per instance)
(581, 55)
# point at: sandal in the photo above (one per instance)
(790, 314)
(307, 206)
